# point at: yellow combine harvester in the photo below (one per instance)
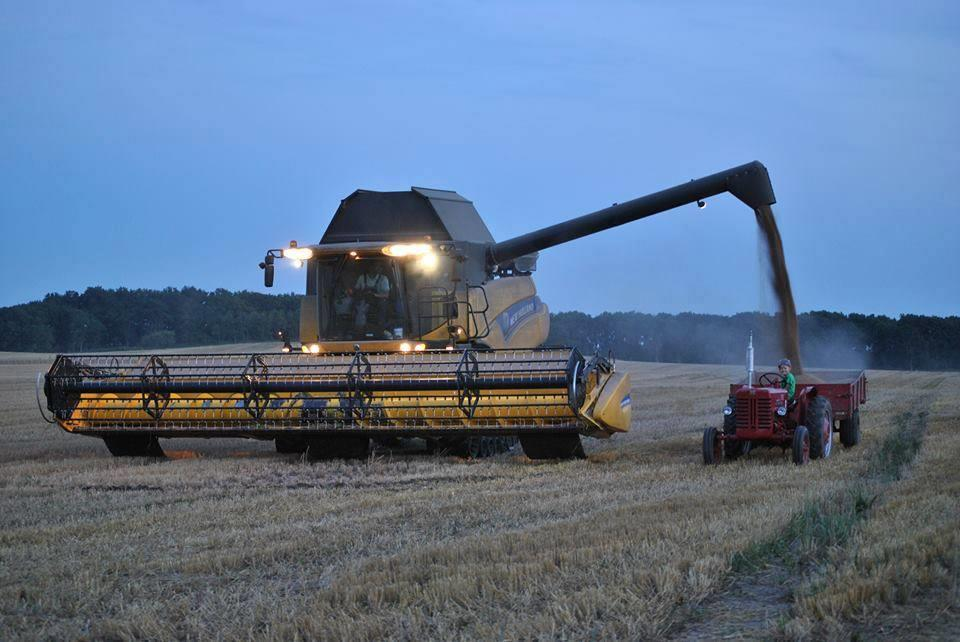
(415, 323)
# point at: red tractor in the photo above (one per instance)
(759, 414)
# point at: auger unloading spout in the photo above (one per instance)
(750, 183)
(414, 323)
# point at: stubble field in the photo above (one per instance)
(229, 540)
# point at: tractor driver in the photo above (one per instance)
(371, 291)
(787, 381)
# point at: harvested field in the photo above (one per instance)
(228, 539)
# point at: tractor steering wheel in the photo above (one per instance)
(769, 380)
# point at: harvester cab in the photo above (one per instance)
(407, 271)
(414, 323)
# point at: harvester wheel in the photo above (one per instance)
(850, 430)
(134, 446)
(712, 447)
(801, 445)
(287, 445)
(819, 422)
(557, 446)
(474, 447)
(346, 447)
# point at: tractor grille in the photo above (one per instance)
(744, 411)
(753, 413)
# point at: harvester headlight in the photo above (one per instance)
(405, 347)
(427, 261)
(304, 349)
(314, 348)
(420, 347)
(286, 347)
(407, 249)
(782, 410)
(727, 411)
(298, 253)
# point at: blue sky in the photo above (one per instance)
(169, 144)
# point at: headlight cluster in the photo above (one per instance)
(727, 411)
(782, 410)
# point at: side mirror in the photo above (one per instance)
(267, 267)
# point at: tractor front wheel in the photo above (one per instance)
(712, 447)
(801, 446)
(733, 448)
(850, 430)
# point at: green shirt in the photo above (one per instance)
(789, 383)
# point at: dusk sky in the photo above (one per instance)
(169, 144)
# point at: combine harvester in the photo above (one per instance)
(415, 323)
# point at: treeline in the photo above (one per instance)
(827, 339)
(102, 319)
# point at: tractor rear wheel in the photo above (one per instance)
(287, 445)
(345, 447)
(134, 446)
(713, 449)
(801, 445)
(557, 446)
(850, 430)
(819, 422)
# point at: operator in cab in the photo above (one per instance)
(787, 381)
(371, 293)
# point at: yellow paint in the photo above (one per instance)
(609, 411)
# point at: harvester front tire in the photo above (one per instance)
(134, 446)
(713, 448)
(288, 445)
(561, 446)
(850, 430)
(819, 422)
(801, 446)
(346, 447)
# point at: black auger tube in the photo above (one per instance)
(750, 183)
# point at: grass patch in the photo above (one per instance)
(830, 522)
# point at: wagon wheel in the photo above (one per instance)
(801, 446)
(850, 430)
(712, 447)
